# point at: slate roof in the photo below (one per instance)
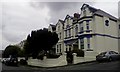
(103, 13)
(99, 12)
(68, 16)
(53, 27)
(61, 21)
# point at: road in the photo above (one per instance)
(87, 66)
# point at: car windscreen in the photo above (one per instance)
(103, 53)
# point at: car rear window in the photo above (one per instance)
(103, 53)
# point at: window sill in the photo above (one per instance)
(89, 50)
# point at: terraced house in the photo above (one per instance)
(91, 30)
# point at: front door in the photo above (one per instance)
(69, 57)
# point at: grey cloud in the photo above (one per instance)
(12, 37)
(19, 20)
(58, 10)
(119, 9)
(17, 23)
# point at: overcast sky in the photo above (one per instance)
(19, 17)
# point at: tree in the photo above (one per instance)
(40, 40)
(11, 50)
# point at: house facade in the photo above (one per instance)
(93, 31)
(119, 35)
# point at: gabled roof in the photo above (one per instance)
(61, 21)
(53, 27)
(98, 11)
(103, 13)
(92, 9)
(68, 16)
(84, 5)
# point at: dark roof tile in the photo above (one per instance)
(99, 12)
(103, 13)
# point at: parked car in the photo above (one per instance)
(3, 60)
(23, 62)
(108, 56)
(11, 62)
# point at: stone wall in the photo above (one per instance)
(82, 59)
(61, 61)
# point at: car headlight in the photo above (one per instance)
(104, 57)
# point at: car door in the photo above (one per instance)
(111, 55)
(114, 55)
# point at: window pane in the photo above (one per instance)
(60, 36)
(81, 26)
(82, 43)
(84, 12)
(106, 22)
(66, 49)
(87, 22)
(65, 33)
(60, 47)
(69, 32)
(76, 30)
(88, 42)
(87, 25)
(119, 26)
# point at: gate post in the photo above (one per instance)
(74, 57)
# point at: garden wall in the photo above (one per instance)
(61, 61)
(82, 59)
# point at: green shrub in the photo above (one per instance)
(40, 57)
(69, 60)
(23, 62)
(80, 53)
(52, 56)
(69, 56)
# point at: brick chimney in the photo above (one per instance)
(76, 15)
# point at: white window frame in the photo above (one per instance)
(87, 25)
(76, 29)
(82, 43)
(88, 43)
(81, 27)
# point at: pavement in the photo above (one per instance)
(110, 66)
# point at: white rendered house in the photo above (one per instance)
(93, 31)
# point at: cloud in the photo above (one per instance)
(119, 9)
(58, 10)
(19, 18)
(109, 7)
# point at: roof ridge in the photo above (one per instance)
(106, 13)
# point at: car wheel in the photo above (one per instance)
(110, 59)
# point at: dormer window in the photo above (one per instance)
(76, 30)
(84, 6)
(58, 27)
(106, 22)
(67, 26)
(87, 25)
(84, 12)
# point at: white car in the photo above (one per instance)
(108, 56)
(4, 59)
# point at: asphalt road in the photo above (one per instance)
(87, 66)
